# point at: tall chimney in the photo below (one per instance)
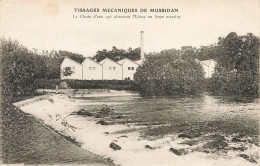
(142, 44)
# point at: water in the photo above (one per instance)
(204, 118)
(206, 113)
(210, 128)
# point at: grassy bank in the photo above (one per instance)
(25, 140)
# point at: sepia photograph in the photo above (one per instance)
(130, 82)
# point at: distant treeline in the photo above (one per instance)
(170, 71)
(118, 54)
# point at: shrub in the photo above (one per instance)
(89, 84)
(168, 75)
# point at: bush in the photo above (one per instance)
(48, 83)
(169, 75)
(89, 84)
(229, 83)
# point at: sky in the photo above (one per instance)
(49, 24)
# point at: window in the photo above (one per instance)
(67, 68)
(112, 68)
(73, 67)
(94, 68)
(131, 68)
(90, 68)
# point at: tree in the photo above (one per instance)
(208, 52)
(77, 57)
(168, 75)
(237, 70)
(18, 69)
(53, 59)
(170, 52)
(67, 71)
(134, 54)
(118, 54)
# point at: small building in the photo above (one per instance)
(91, 70)
(73, 66)
(208, 66)
(129, 68)
(111, 70)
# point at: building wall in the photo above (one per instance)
(208, 67)
(129, 69)
(111, 70)
(211, 68)
(75, 67)
(91, 70)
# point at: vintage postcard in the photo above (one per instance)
(130, 82)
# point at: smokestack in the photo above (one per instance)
(142, 44)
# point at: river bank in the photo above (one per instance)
(138, 147)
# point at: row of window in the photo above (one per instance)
(94, 68)
(131, 68)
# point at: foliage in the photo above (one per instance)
(118, 54)
(202, 53)
(89, 84)
(237, 70)
(168, 75)
(208, 52)
(67, 72)
(19, 69)
(51, 61)
(76, 57)
(169, 72)
(54, 59)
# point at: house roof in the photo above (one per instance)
(104, 60)
(139, 62)
(207, 62)
(123, 61)
(70, 60)
(91, 60)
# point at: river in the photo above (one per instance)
(210, 130)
